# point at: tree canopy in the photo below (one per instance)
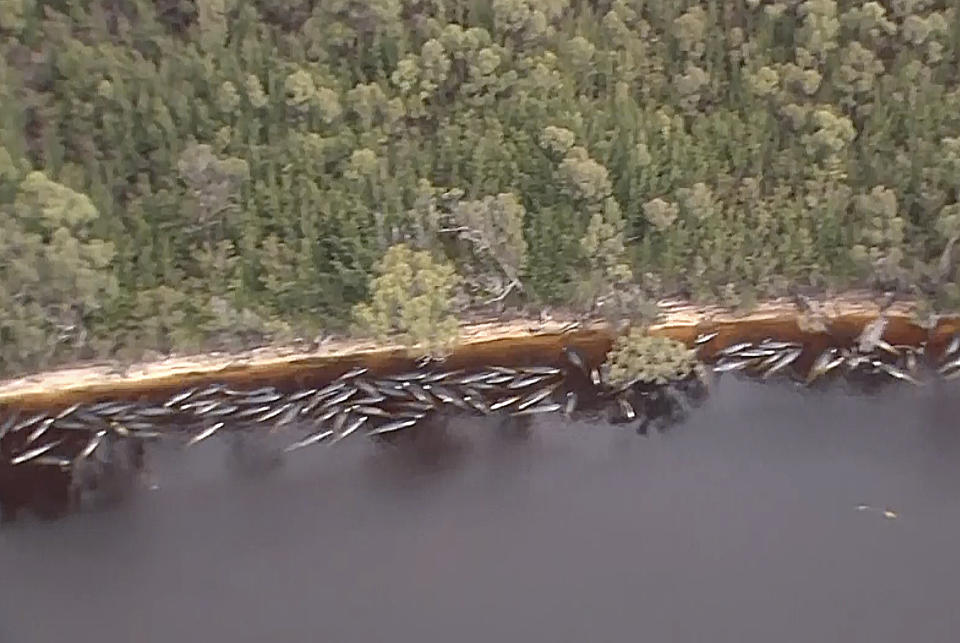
(192, 173)
(638, 357)
(411, 301)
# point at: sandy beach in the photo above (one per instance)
(678, 319)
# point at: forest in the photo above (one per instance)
(189, 175)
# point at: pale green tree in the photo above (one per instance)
(880, 237)
(11, 15)
(411, 302)
(638, 356)
(212, 22)
(607, 268)
(54, 273)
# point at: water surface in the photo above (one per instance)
(739, 525)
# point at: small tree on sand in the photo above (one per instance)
(637, 356)
(411, 301)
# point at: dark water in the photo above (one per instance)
(739, 525)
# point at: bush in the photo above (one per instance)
(648, 359)
(411, 302)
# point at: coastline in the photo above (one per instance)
(678, 319)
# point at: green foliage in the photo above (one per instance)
(218, 164)
(607, 268)
(54, 275)
(411, 301)
(11, 15)
(649, 359)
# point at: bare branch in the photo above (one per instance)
(503, 295)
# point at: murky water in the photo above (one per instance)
(739, 525)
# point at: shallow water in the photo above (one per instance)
(739, 525)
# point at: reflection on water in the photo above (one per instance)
(740, 525)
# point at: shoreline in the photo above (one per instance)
(678, 319)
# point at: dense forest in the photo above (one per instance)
(187, 174)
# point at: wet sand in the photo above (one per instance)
(739, 525)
